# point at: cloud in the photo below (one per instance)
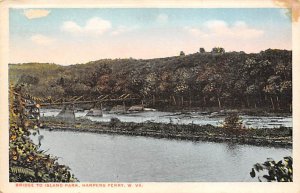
(216, 24)
(42, 40)
(195, 31)
(162, 18)
(122, 29)
(221, 29)
(36, 13)
(71, 27)
(94, 26)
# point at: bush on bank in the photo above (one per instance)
(281, 171)
(27, 163)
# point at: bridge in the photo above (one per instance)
(100, 99)
(32, 104)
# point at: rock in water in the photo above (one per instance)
(95, 113)
(136, 108)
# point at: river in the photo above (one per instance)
(116, 158)
(183, 118)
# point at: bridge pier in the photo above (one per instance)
(67, 114)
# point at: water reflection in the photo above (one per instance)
(232, 148)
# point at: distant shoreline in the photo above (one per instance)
(276, 137)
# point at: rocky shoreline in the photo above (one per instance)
(276, 137)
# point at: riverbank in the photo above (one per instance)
(276, 137)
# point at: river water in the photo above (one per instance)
(182, 118)
(116, 158)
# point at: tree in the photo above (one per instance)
(28, 79)
(218, 50)
(215, 87)
(233, 125)
(286, 92)
(150, 86)
(165, 84)
(182, 53)
(202, 50)
(238, 91)
(251, 92)
(27, 163)
(272, 89)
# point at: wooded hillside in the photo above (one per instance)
(223, 80)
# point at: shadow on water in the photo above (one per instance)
(232, 148)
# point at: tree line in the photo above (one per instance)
(203, 79)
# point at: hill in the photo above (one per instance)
(222, 80)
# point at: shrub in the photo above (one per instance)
(114, 121)
(26, 162)
(233, 124)
(182, 53)
(281, 171)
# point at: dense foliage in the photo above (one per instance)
(281, 171)
(233, 125)
(26, 162)
(203, 79)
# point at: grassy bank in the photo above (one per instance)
(276, 137)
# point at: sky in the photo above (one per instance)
(71, 36)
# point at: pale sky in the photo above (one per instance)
(70, 36)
